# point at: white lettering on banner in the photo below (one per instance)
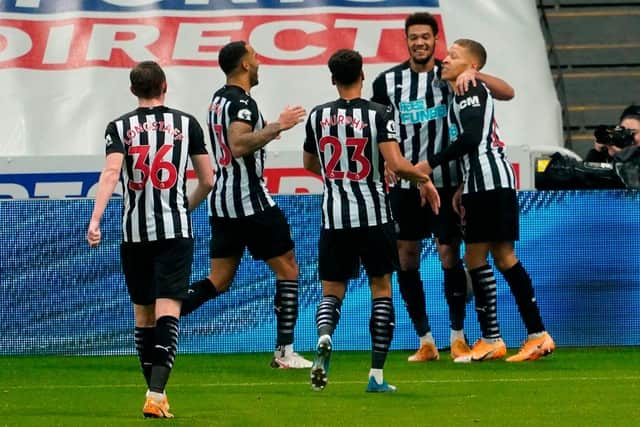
(263, 39)
(195, 41)
(56, 185)
(27, 3)
(58, 190)
(16, 43)
(105, 38)
(368, 33)
(58, 45)
(13, 191)
(191, 39)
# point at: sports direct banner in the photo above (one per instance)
(64, 71)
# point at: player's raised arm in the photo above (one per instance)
(500, 89)
(243, 140)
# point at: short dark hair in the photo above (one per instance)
(147, 80)
(345, 66)
(475, 49)
(631, 112)
(230, 56)
(421, 18)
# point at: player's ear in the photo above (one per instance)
(361, 75)
(333, 81)
(164, 87)
(132, 91)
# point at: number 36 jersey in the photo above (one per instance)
(156, 143)
(344, 135)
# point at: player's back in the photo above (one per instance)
(156, 143)
(486, 167)
(345, 135)
(239, 189)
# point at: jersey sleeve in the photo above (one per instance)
(244, 109)
(112, 141)
(380, 94)
(197, 144)
(385, 126)
(310, 146)
(472, 107)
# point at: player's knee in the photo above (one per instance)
(448, 257)
(409, 260)
(380, 286)
(473, 260)
(409, 255)
(285, 266)
(222, 281)
(505, 263)
(145, 315)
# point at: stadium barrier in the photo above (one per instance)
(58, 296)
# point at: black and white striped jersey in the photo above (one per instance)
(472, 119)
(239, 189)
(420, 103)
(345, 136)
(157, 143)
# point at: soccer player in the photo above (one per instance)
(488, 205)
(242, 214)
(419, 97)
(347, 142)
(151, 146)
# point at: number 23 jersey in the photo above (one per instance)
(344, 135)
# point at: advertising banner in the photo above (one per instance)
(64, 70)
(71, 299)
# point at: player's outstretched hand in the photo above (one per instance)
(463, 80)
(93, 234)
(429, 193)
(291, 116)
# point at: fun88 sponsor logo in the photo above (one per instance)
(51, 6)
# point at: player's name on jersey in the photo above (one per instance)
(343, 119)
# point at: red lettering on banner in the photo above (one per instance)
(195, 41)
(516, 172)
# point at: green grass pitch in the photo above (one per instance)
(572, 387)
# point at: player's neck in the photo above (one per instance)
(350, 92)
(422, 68)
(150, 103)
(241, 82)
